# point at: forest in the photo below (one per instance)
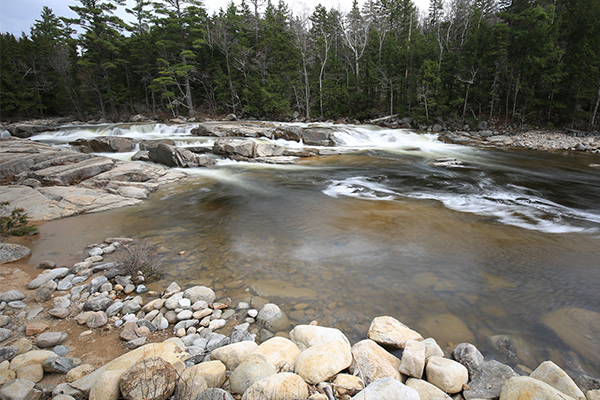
(512, 62)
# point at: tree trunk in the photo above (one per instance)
(595, 113)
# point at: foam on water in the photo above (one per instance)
(515, 208)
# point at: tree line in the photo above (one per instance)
(519, 61)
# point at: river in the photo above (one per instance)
(502, 251)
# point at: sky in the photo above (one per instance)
(18, 16)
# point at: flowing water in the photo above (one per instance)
(502, 251)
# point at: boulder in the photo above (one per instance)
(50, 339)
(557, 378)
(446, 374)
(346, 384)
(199, 293)
(19, 389)
(426, 390)
(525, 387)
(30, 358)
(172, 156)
(234, 147)
(468, 355)
(306, 336)
(374, 362)
(13, 252)
(98, 303)
(107, 385)
(79, 372)
(33, 373)
(317, 137)
(413, 359)
(391, 332)
(488, 381)
(432, 349)
(232, 355)
(170, 351)
(60, 365)
(97, 320)
(251, 370)
(280, 352)
(213, 373)
(578, 328)
(150, 378)
(111, 144)
(214, 394)
(319, 363)
(387, 388)
(11, 295)
(272, 318)
(283, 386)
(190, 385)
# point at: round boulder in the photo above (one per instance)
(151, 377)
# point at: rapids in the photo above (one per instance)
(501, 251)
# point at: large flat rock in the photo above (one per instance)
(53, 183)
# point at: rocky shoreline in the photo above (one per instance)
(189, 344)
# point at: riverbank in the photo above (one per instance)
(82, 331)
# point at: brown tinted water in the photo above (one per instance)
(502, 252)
(345, 239)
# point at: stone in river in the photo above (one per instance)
(374, 362)
(488, 380)
(320, 363)
(578, 328)
(448, 375)
(525, 387)
(387, 388)
(468, 355)
(557, 378)
(448, 329)
(413, 359)
(272, 318)
(389, 331)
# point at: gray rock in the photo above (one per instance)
(44, 292)
(234, 147)
(97, 303)
(184, 315)
(172, 156)
(272, 318)
(11, 295)
(4, 320)
(123, 280)
(8, 353)
(104, 267)
(214, 394)
(131, 307)
(140, 289)
(587, 383)
(252, 369)
(114, 308)
(97, 320)
(59, 365)
(135, 343)
(189, 340)
(12, 252)
(128, 332)
(160, 322)
(64, 389)
(46, 265)
(62, 302)
(107, 287)
(96, 251)
(468, 355)
(17, 304)
(488, 381)
(61, 350)
(48, 275)
(147, 324)
(231, 117)
(50, 339)
(60, 312)
(18, 389)
(66, 283)
(96, 283)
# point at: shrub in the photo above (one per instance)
(14, 222)
(141, 256)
